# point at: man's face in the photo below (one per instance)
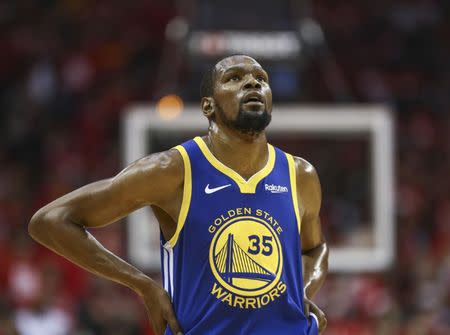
(242, 95)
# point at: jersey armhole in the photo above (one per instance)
(293, 181)
(186, 201)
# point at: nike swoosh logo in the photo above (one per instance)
(215, 189)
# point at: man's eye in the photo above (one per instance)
(261, 78)
(235, 78)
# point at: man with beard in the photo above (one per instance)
(238, 219)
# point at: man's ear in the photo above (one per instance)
(208, 107)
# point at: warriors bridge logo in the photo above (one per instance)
(246, 258)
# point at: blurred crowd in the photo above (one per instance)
(69, 68)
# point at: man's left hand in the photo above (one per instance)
(311, 307)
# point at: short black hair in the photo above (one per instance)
(207, 83)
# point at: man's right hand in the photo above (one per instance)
(159, 309)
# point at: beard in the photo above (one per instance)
(248, 122)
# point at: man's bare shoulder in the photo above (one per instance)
(154, 178)
(305, 170)
(308, 186)
(169, 162)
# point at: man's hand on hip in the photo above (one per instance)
(159, 308)
(311, 307)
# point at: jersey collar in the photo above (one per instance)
(245, 186)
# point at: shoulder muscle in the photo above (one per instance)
(151, 180)
(308, 186)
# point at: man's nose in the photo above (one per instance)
(252, 83)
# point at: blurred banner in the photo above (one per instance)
(271, 45)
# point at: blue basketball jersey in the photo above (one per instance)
(234, 264)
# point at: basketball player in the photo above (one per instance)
(238, 218)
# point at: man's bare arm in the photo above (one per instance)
(314, 247)
(61, 225)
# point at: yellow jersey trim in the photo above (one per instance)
(187, 193)
(245, 186)
(293, 179)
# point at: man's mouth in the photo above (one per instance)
(254, 99)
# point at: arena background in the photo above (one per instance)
(70, 70)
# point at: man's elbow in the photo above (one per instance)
(36, 226)
(44, 223)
